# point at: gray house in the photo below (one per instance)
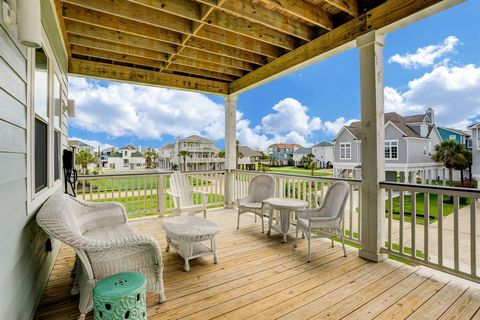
(475, 150)
(409, 144)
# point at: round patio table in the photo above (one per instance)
(286, 207)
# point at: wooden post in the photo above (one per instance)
(373, 143)
(161, 195)
(230, 148)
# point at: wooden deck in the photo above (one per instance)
(258, 277)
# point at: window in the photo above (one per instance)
(41, 120)
(345, 151)
(452, 137)
(469, 143)
(391, 149)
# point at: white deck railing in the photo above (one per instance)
(439, 232)
(311, 189)
(146, 193)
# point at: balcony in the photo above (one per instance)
(258, 274)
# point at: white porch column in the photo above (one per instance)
(230, 147)
(373, 145)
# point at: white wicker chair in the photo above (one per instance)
(325, 221)
(103, 241)
(260, 188)
(182, 194)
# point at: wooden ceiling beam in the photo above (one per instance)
(99, 70)
(182, 8)
(352, 7)
(78, 28)
(206, 66)
(305, 11)
(114, 56)
(137, 12)
(201, 72)
(215, 58)
(117, 47)
(83, 15)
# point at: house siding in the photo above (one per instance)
(392, 133)
(25, 264)
(475, 154)
(345, 136)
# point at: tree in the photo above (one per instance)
(465, 163)
(221, 154)
(149, 159)
(452, 155)
(83, 158)
(184, 154)
(312, 166)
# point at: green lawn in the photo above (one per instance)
(149, 203)
(116, 184)
(447, 207)
(302, 171)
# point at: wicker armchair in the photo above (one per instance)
(103, 241)
(325, 221)
(260, 188)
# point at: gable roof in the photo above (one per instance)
(196, 138)
(457, 131)
(303, 151)
(323, 144)
(136, 154)
(116, 155)
(128, 147)
(249, 152)
(474, 126)
(74, 143)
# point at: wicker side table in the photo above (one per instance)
(121, 296)
(186, 235)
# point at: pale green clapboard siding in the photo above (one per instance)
(25, 264)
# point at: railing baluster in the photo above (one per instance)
(426, 222)
(456, 258)
(390, 214)
(473, 237)
(402, 217)
(91, 193)
(440, 228)
(413, 218)
(145, 194)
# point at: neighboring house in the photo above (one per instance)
(203, 155)
(79, 146)
(475, 151)
(299, 154)
(282, 153)
(249, 158)
(105, 154)
(126, 158)
(409, 144)
(460, 136)
(324, 154)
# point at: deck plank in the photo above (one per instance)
(257, 274)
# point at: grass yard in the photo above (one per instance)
(148, 204)
(447, 207)
(302, 171)
(141, 183)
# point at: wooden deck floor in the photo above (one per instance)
(258, 277)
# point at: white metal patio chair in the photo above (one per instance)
(326, 221)
(183, 196)
(104, 244)
(260, 188)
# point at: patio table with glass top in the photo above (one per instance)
(285, 207)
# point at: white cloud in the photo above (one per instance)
(452, 91)
(93, 143)
(120, 109)
(332, 127)
(426, 56)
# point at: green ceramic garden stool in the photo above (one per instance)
(121, 296)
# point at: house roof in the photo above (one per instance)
(128, 147)
(457, 131)
(474, 126)
(249, 152)
(195, 138)
(78, 143)
(303, 151)
(397, 120)
(116, 155)
(285, 145)
(323, 144)
(136, 154)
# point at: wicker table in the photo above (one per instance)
(186, 235)
(286, 207)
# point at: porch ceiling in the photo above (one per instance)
(215, 46)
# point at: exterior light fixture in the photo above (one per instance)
(29, 23)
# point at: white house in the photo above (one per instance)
(324, 154)
(79, 146)
(202, 154)
(126, 158)
(299, 154)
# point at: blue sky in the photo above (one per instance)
(437, 64)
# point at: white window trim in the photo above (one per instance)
(346, 145)
(35, 199)
(390, 146)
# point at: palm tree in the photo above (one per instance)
(83, 158)
(464, 164)
(451, 154)
(184, 154)
(149, 159)
(312, 166)
(221, 154)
